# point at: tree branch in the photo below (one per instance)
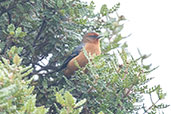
(43, 25)
(9, 18)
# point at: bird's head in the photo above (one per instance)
(91, 37)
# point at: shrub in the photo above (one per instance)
(15, 93)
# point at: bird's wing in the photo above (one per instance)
(75, 52)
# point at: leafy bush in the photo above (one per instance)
(68, 102)
(15, 94)
(116, 84)
(48, 30)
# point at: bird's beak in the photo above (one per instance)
(99, 37)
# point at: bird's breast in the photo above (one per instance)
(92, 48)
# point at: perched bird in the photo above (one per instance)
(91, 44)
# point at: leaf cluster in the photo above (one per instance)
(116, 84)
(15, 93)
(68, 103)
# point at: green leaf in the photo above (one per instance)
(80, 109)
(6, 61)
(30, 105)
(119, 28)
(77, 111)
(63, 111)
(22, 34)
(13, 49)
(40, 110)
(18, 32)
(60, 99)
(16, 60)
(125, 45)
(100, 112)
(11, 32)
(104, 10)
(11, 29)
(2, 45)
(7, 91)
(118, 38)
(69, 99)
(80, 103)
(59, 3)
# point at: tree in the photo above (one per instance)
(48, 30)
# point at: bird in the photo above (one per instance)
(91, 43)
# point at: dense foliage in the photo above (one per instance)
(46, 31)
(15, 94)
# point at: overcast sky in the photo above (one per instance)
(149, 21)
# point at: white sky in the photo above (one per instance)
(149, 21)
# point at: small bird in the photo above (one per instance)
(91, 43)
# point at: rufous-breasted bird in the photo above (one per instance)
(91, 43)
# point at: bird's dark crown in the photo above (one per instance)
(92, 35)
